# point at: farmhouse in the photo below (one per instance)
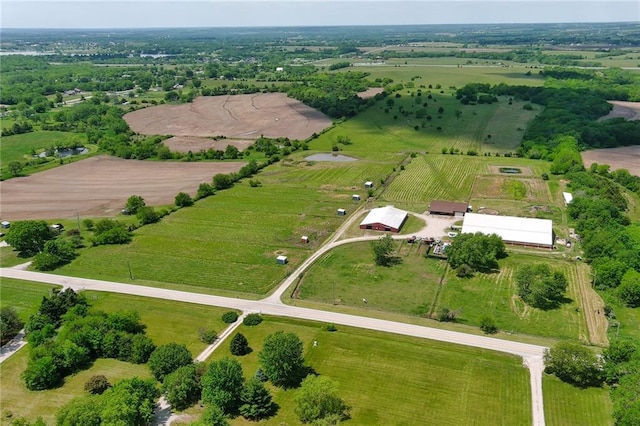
(513, 230)
(386, 218)
(568, 197)
(448, 208)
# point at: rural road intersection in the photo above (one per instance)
(272, 305)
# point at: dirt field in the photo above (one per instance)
(494, 188)
(627, 110)
(525, 171)
(239, 116)
(195, 144)
(623, 157)
(371, 92)
(99, 186)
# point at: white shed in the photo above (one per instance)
(368, 184)
(5, 224)
(341, 212)
(304, 239)
(282, 260)
(355, 197)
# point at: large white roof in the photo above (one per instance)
(389, 216)
(510, 228)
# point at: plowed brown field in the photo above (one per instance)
(239, 116)
(100, 186)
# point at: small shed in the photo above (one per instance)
(568, 198)
(341, 212)
(304, 239)
(5, 224)
(282, 260)
(368, 184)
(355, 197)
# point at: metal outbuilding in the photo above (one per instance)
(386, 218)
(523, 231)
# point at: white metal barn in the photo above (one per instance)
(523, 231)
(386, 218)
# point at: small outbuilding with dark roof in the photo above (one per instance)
(448, 208)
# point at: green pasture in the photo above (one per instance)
(451, 75)
(495, 295)
(9, 257)
(25, 296)
(389, 379)
(167, 321)
(19, 147)
(420, 287)
(229, 242)
(384, 129)
(567, 405)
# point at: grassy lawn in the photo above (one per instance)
(567, 405)
(435, 383)
(185, 320)
(348, 274)
(9, 257)
(229, 242)
(25, 296)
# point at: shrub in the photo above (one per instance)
(183, 200)
(330, 327)
(207, 336)
(229, 317)
(239, 345)
(464, 271)
(97, 384)
(252, 319)
(488, 325)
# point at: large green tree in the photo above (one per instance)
(383, 249)
(222, 385)
(257, 402)
(318, 400)
(182, 387)
(282, 358)
(629, 290)
(134, 203)
(130, 402)
(10, 323)
(575, 364)
(481, 252)
(81, 411)
(29, 236)
(168, 358)
(539, 286)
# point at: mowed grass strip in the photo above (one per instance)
(566, 405)
(398, 380)
(25, 296)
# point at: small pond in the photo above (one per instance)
(330, 157)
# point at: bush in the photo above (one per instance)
(207, 336)
(464, 271)
(239, 345)
(167, 359)
(575, 364)
(488, 325)
(330, 327)
(97, 384)
(183, 200)
(252, 319)
(229, 317)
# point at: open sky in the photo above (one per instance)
(240, 13)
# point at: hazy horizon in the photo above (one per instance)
(149, 14)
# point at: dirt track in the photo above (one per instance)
(624, 157)
(238, 116)
(99, 186)
(626, 110)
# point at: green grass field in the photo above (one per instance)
(566, 405)
(420, 287)
(398, 380)
(18, 147)
(25, 296)
(229, 242)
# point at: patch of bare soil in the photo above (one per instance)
(626, 110)
(196, 144)
(371, 92)
(271, 115)
(593, 307)
(99, 186)
(623, 157)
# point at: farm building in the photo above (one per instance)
(282, 260)
(448, 208)
(368, 184)
(386, 218)
(355, 197)
(304, 239)
(5, 224)
(513, 230)
(568, 197)
(341, 212)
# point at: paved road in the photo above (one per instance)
(531, 354)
